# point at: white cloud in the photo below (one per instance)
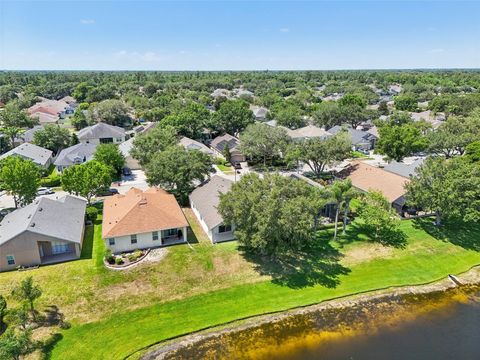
(87, 21)
(436, 51)
(146, 57)
(284, 30)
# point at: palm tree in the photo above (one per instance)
(341, 193)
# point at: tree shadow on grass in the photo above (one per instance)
(466, 235)
(357, 231)
(48, 345)
(316, 264)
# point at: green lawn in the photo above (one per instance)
(115, 314)
(226, 169)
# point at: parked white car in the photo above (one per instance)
(44, 191)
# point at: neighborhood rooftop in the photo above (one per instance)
(101, 130)
(37, 154)
(140, 212)
(206, 199)
(61, 219)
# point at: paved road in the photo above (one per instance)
(6, 201)
(138, 180)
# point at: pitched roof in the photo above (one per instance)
(366, 177)
(37, 154)
(308, 132)
(357, 136)
(27, 136)
(76, 154)
(62, 219)
(140, 212)
(220, 142)
(126, 146)
(206, 199)
(191, 144)
(101, 130)
(44, 118)
(403, 169)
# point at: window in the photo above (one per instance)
(224, 228)
(155, 235)
(10, 260)
(59, 247)
(119, 139)
(133, 239)
(169, 232)
(111, 241)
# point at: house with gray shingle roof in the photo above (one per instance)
(75, 155)
(191, 144)
(101, 133)
(220, 142)
(403, 169)
(361, 140)
(204, 202)
(44, 232)
(40, 156)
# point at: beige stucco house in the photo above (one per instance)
(44, 232)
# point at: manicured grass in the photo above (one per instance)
(226, 169)
(114, 314)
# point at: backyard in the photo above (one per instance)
(114, 314)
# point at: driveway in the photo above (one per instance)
(6, 201)
(137, 179)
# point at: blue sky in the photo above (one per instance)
(238, 35)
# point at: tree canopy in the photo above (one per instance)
(273, 214)
(110, 155)
(20, 178)
(52, 137)
(232, 117)
(156, 140)
(176, 169)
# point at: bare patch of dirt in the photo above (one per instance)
(366, 252)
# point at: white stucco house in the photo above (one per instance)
(204, 201)
(142, 219)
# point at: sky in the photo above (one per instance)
(238, 35)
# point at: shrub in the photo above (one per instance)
(137, 253)
(118, 260)
(92, 213)
(109, 257)
(131, 257)
(51, 181)
(220, 161)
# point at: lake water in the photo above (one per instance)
(436, 326)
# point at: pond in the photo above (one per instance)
(442, 325)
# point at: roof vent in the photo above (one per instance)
(143, 201)
(40, 209)
(32, 225)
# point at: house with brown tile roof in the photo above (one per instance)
(142, 219)
(367, 177)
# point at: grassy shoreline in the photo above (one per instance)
(116, 314)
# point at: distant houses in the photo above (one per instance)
(407, 170)
(40, 156)
(51, 111)
(191, 144)
(303, 133)
(204, 201)
(75, 155)
(361, 140)
(220, 142)
(44, 232)
(102, 133)
(142, 219)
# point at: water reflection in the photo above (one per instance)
(441, 326)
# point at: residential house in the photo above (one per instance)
(434, 119)
(27, 136)
(220, 93)
(75, 155)
(125, 148)
(220, 142)
(40, 156)
(50, 111)
(361, 140)
(44, 232)
(204, 202)
(259, 112)
(191, 144)
(307, 132)
(102, 133)
(142, 219)
(367, 177)
(404, 169)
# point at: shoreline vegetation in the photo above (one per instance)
(121, 314)
(328, 316)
